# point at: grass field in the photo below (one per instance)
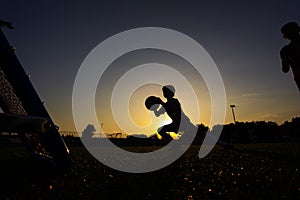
(254, 171)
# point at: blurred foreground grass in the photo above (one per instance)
(254, 171)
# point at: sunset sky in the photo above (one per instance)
(243, 38)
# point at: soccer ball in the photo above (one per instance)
(153, 103)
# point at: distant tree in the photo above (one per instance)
(296, 121)
(227, 131)
(88, 132)
(201, 133)
(295, 127)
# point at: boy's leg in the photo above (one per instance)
(162, 131)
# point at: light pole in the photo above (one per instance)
(232, 109)
(232, 106)
(101, 129)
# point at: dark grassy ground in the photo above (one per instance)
(255, 171)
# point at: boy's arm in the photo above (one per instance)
(160, 111)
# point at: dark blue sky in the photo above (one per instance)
(53, 37)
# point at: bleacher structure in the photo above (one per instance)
(23, 112)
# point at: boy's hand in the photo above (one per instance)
(159, 111)
(154, 107)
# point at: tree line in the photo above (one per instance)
(255, 131)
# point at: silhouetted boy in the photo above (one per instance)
(173, 108)
(180, 122)
(290, 54)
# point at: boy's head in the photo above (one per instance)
(290, 30)
(168, 91)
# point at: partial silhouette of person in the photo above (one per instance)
(180, 121)
(290, 53)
